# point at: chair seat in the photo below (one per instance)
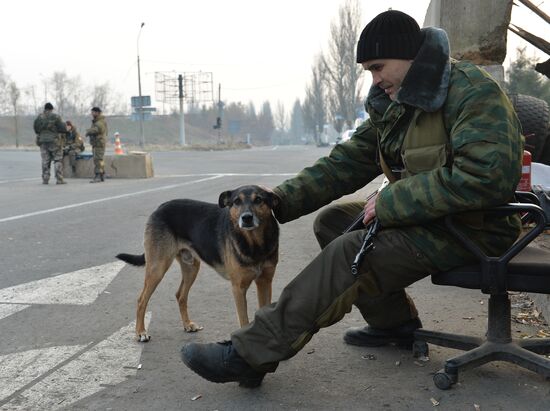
(528, 271)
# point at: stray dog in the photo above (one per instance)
(238, 237)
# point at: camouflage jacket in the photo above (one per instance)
(48, 126)
(481, 170)
(98, 131)
(73, 141)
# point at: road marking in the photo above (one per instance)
(101, 200)
(80, 287)
(229, 175)
(21, 368)
(8, 309)
(109, 362)
(19, 180)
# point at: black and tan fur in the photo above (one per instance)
(238, 237)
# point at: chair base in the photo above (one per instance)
(524, 353)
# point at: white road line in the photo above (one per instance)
(101, 200)
(19, 180)
(228, 175)
(8, 309)
(79, 287)
(21, 368)
(110, 362)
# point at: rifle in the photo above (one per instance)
(366, 245)
(357, 224)
(372, 228)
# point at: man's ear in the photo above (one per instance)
(225, 199)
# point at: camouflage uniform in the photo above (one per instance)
(73, 146)
(98, 137)
(50, 132)
(456, 140)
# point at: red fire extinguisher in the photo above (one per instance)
(525, 181)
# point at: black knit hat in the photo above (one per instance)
(96, 109)
(48, 106)
(390, 35)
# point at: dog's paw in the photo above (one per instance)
(143, 338)
(192, 327)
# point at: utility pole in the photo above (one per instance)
(182, 119)
(218, 124)
(142, 137)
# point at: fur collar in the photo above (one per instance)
(427, 81)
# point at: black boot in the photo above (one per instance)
(101, 176)
(368, 336)
(96, 179)
(220, 362)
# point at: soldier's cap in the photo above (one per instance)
(48, 106)
(390, 35)
(96, 109)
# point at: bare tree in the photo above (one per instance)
(4, 81)
(315, 103)
(265, 123)
(15, 94)
(101, 96)
(296, 122)
(280, 117)
(32, 107)
(59, 82)
(343, 73)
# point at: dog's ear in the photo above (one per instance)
(225, 199)
(272, 199)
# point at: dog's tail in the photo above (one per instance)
(138, 260)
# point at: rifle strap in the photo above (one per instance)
(387, 170)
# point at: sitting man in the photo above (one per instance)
(448, 139)
(73, 144)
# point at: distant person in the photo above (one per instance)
(50, 132)
(97, 134)
(73, 145)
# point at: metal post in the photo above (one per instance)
(142, 137)
(182, 119)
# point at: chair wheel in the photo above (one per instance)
(443, 380)
(420, 349)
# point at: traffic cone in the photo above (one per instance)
(118, 146)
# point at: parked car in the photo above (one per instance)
(346, 135)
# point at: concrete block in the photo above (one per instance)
(132, 165)
(477, 29)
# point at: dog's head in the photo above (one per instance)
(249, 205)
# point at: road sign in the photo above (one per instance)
(144, 109)
(146, 116)
(145, 101)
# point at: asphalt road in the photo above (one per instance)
(67, 306)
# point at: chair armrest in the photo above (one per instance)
(527, 197)
(493, 270)
(535, 213)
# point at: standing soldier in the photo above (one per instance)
(73, 145)
(98, 134)
(50, 132)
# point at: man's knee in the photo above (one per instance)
(332, 221)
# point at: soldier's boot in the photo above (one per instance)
(45, 180)
(368, 336)
(60, 181)
(101, 176)
(96, 178)
(220, 362)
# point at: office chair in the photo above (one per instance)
(523, 267)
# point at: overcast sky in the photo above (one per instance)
(258, 50)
